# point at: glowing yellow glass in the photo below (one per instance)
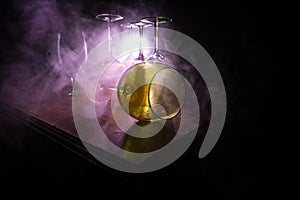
(151, 91)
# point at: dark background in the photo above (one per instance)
(241, 40)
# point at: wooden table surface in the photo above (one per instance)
(55, 108)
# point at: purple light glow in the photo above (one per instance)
(34, 69)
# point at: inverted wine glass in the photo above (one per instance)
(110, 66)
(156, 55)
(140, 26)
(150, 91)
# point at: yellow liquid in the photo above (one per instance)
(139, 106)
(142, 103)
(144, 100)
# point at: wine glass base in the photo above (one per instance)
(109, 17)
(160, 19)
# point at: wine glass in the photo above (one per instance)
(156, 21)
(140, 26)
(70, 72)
(130, 57)
(110, 66)
(109, 18)
(150, 91)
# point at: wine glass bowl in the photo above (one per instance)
(151, 91)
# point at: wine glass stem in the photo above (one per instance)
(156, 35)
(109, 37)
(84, 45)
(141, 55)
(58, 48)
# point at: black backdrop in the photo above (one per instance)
(240, 39)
